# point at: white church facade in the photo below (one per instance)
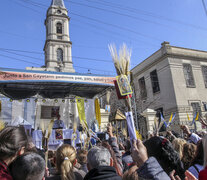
(57, 49)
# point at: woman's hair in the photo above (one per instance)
(82, 156)
(131, 174)
(189, 150)
(178, 145)
(167, 157)
(12, 139)
(115, 164)
(204, 141)
(198, 159)
(65, 157)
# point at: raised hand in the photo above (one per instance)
(139, 152)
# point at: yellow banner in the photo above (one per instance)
(171, 117)
(197, 115)
(81, 111)
(188, 117)
(98, 112)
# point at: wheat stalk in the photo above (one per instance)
(2, 125)
(121, 62)
(50, 128)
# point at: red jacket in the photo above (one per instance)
(203, 174)
(4, 173)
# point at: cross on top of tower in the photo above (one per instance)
(58, 3)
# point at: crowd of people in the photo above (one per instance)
(169, 157)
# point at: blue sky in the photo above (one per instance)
(142, 24)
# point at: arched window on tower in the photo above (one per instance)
(59, 28)
(60, 55)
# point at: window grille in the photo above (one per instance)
(154, 81)
(204, 71)
(188, 73)
(59, 55)
(59, 29)
(142, 86)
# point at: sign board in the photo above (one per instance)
(48, 112)
(7, 75)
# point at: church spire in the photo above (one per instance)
(59, 3)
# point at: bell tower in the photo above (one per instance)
(58, 56)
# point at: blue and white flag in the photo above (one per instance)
(166, 125)
(194, 118)
(162, 118)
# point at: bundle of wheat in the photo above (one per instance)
(121, 62)
(122, 65)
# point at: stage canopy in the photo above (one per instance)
(21, 84)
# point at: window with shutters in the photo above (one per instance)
(204, 71)
(59, 54)
(59, 28)
(188, 73)
(142, 87)
(154, 81)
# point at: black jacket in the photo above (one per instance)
(102, 173)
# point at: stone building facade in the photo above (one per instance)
(172, 80)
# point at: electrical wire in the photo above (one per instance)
(78, 57)
(23, 5)
(117, 26)
(126, 29)
(204, 6)
(121, 14)
(20, 60)
(41, 64)
(146, 13)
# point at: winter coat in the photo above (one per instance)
(127, 160)
(195, 169)
(79, 175)
(151, 170)
(4, 172)
(115, 147)
(102, 173)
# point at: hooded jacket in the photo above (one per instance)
(102, 173)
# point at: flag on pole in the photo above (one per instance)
(197, 116)
(162, 118)
(81, 111)
(172, 117)
(162, 122)
(188, 117)
(98, 112)
(166, 125)
(194, 118)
